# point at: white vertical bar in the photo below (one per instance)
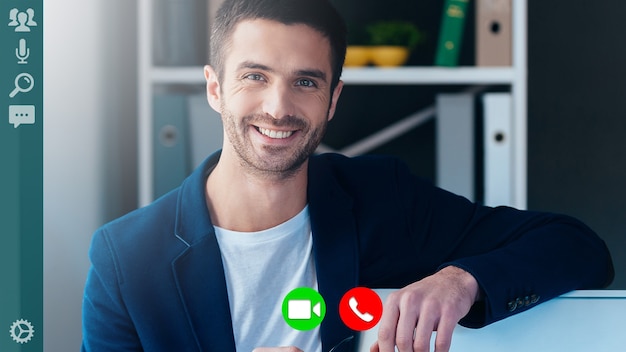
(519, 91)
(145, 178)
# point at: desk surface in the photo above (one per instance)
(577, 321)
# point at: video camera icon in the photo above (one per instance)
(303, 308)
(299, 309)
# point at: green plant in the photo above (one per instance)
(399, 33)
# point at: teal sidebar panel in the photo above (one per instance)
(21, 175)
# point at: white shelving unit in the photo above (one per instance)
(514, 76)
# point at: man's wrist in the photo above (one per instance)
(468, 282)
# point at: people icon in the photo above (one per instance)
(31, 18)
(13, 18)
(22, 21)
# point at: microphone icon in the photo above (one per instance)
(22, 52)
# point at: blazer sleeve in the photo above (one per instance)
(519, 258)
(106, 323)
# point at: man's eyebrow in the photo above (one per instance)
(314, 73)
(253, 65)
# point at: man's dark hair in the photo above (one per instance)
(317, 14)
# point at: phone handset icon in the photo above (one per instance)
(360, 319)
(366, 317)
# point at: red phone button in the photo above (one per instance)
(360, 308)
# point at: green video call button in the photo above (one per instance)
(304, 308)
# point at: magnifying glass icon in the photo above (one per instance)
(24, 83)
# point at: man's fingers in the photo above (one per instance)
(424, 331)
(436, 302)
(388, 323)
(405, 332)
(443, 341)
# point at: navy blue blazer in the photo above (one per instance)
(157, 281)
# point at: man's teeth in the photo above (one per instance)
(275, 134)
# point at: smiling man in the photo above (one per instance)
(275, 99)
(206, 267)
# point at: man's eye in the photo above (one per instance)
(305, 83)
(254, 77)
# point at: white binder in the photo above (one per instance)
(498, 157)
(455, 143)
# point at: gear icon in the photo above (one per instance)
(22, 331)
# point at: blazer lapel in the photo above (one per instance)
(334, 245)
(200, 281)
(198, 270)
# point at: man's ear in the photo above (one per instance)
(212, 88)
(333, 100)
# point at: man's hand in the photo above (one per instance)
(435, 303)
(277, 349)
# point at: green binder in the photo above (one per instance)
(451, 32)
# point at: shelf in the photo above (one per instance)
(428, 75)
(404, 75)
(178, 75)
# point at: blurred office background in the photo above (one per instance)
(576, 132)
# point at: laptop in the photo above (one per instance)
(577, 321)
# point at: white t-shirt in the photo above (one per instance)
(261, 268)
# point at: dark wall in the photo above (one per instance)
(577, 116)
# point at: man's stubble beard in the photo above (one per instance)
(288, 164)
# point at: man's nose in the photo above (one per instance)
(279, 101)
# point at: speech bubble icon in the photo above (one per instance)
(21, 115)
